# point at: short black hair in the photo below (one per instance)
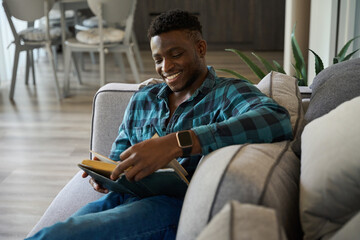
(175, 19)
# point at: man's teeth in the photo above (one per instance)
(172, 76)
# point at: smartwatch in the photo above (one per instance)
(184, 142)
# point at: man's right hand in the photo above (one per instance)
(97, 186)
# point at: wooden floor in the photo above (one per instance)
(42, 139)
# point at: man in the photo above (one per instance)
(194, 112)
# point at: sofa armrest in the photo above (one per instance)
(109, 106)
(72, 197)
(243, 221)
(260, 174)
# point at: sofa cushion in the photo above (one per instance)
(39, 34)
(243, 221)
(92, 22)
(330, 171)
(260, 174)
(285, 91)
(350, 229)
(333, 86)
(91, 36)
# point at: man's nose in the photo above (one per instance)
(167, 65)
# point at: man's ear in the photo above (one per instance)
(201, 47)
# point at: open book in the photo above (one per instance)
(169, 181)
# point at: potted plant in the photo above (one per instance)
(299, 66)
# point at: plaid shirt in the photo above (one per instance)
(221, 112)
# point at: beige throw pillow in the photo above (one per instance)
(243, 221)
(330, 171)
(285, 91)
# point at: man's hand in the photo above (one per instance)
(142, 159)
(93, 183)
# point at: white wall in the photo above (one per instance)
(6, 57)
(296, 11)
(322, 36)
(325, 39)
(316, 29)
(7, 49)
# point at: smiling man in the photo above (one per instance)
(194, 112)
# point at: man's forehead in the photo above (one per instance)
(171, 36)
(169, 40)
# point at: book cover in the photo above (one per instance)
(169, 181)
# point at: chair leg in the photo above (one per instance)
(67, 62)
(102, 67)
(32, 66)
(120, 62)
(77, 70)
(27, 67)
(137, 51)
(130, 57)
(55, 57)
(48, 49)
(92, 57)
(13, 78)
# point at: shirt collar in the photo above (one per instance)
(206, 87)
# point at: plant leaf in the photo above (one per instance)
(299, 59)
(341, 55)
(251, 65)
(279, 68)
(350, 55)
(299, 77)
(266, 64)
(234, 73)
(297, 72)
(319, 66)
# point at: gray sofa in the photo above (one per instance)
(284, 190)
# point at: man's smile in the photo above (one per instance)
(172, 77)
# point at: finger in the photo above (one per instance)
(97, 186)
(137, 173)
(120, 168)
(132, 171)
(125, 154)
(84, 175)
(141, 174)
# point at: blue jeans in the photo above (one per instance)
(120, 216)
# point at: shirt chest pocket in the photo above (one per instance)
(140, 134)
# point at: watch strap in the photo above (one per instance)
(186, 151)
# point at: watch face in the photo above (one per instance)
(184, 139)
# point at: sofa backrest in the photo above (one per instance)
(108, 111)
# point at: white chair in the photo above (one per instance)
(31, 38)
(104, 40)
(92, 22)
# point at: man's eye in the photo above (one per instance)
(157, 61)
(177, 55)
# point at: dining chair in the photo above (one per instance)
(32, 38)
(92, 22)
(104, 40)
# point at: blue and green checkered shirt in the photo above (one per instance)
(221, 112)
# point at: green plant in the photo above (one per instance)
(299, 65)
